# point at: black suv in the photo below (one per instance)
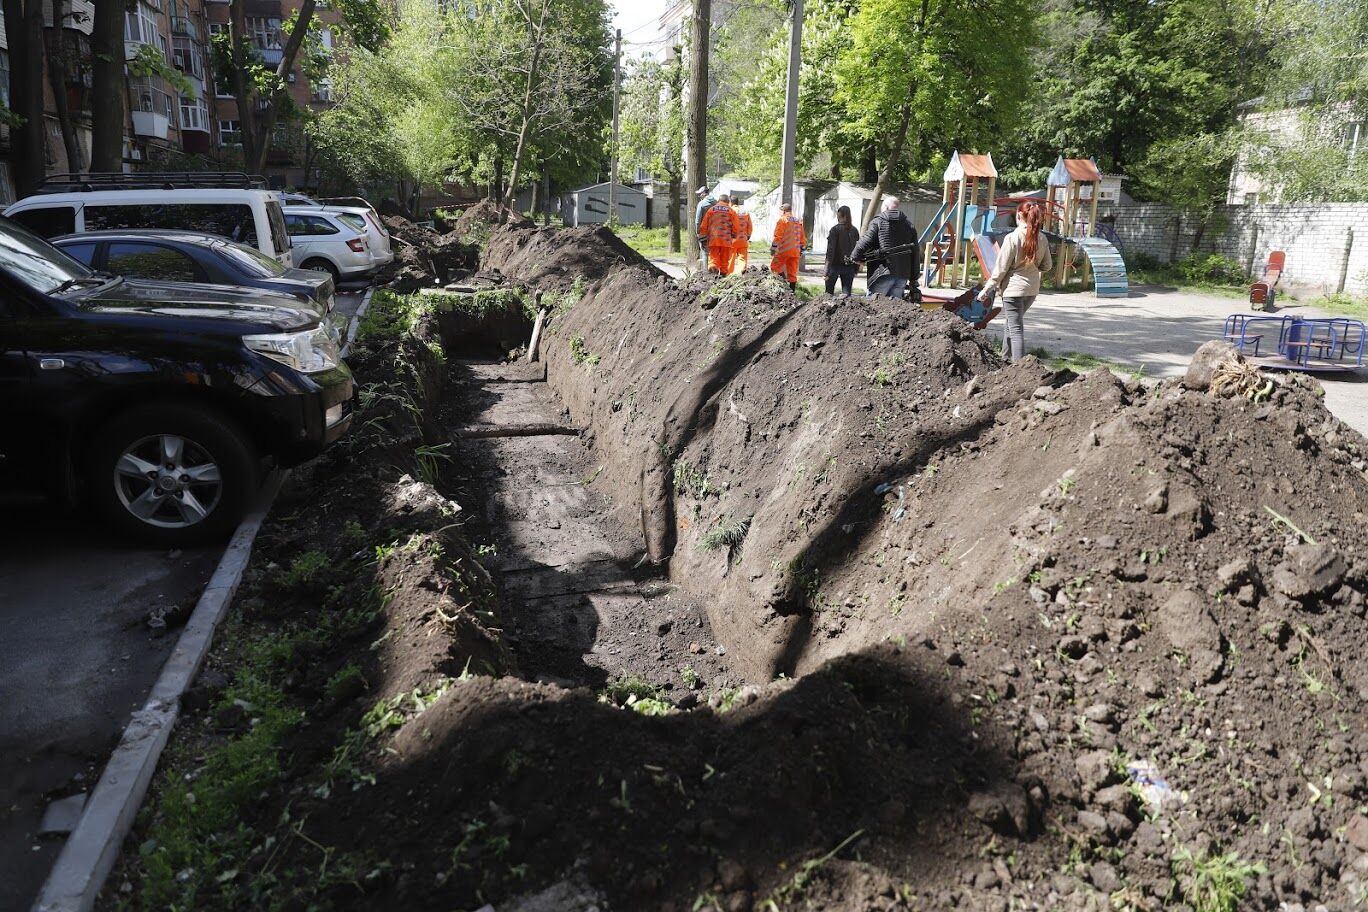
(156, 402)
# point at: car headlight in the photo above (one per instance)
(308, 352)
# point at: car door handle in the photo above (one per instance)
(51, 364)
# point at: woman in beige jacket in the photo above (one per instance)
(1023, 257)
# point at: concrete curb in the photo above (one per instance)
(355, 323)
(93, 847)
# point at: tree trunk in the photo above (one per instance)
(266, 126)
(676, 203)
(696, 118)
(496, 186)
(895, 150)
(242, 89)
(506, 205)
(24, 33)
(57, 78)
(536, 35)
(109, 99)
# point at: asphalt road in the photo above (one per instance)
(76, 659)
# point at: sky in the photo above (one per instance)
(637, 19)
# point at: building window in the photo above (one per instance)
(265, 32)
(1251, 199)
(230, 133)
(140, 27)
(4, 78)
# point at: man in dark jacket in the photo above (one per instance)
(890, 272)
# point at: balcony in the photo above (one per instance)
(184, 28)
(187, 57)
(153, 110)
(194, 115)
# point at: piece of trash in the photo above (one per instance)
(62, 815)
(1154, 789)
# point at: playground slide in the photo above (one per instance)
(986, 249)
(1108, 269)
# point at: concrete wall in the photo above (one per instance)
(1326, 243)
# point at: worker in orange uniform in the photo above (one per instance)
(787, 249)
(719, 230)
(741, 246)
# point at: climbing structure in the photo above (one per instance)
(966, 210)
(1101, 260)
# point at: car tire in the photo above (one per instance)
(320, 265)
(198, 489)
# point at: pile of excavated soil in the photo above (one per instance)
(478, 221)
(1145, 603)
(555, 259)
(423, 257)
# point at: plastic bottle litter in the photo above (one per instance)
(1154, 789)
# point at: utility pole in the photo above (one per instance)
(791, 103)
(697, 116)
(617, 93)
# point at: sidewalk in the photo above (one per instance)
(1156, 328)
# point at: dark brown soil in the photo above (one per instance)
(826, 609)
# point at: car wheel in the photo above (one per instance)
(318, 265)
(172, 475)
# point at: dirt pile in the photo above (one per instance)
(423, 257)
(476, 223)
(556, 259)
(1155, 594)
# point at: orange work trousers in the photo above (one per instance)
(720, 257)
(786, 264)
(740, 256)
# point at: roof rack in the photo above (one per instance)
(152, 180)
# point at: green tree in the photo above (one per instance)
(652, 135)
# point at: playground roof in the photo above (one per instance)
(966, 164)
(1069, 170)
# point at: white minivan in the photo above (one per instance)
(249, 216)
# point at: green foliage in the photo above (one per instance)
(148, 61)
(304, 569)
(727, 534)
(1213, 883)
(627, 687)
(652, 119)
(691, 479)
(1212, 269)
(579, 352)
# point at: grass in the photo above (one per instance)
(1081, 362)
(693, 480)
(726, 534)
(1213, 883)
(580, 354)
(1342, 305)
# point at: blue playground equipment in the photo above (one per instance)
(1298, 343)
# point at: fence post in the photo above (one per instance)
(1344, 263)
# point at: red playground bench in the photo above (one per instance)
(1263, 293)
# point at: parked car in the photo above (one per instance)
(71, 204)
(378, 235)
(186, 256)
(156, 402)
(334, 242)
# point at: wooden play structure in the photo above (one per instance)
(1077, 216)
(966, 211)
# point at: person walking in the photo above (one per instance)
(889, 244)
(705, 202)
(741, 246)
(787, 246)
(718, 232)
(841, 241)
(1022, 258)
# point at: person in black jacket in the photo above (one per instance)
(841, 241)
(890, 273)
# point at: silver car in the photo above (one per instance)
(334, 242)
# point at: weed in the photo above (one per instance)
(1213, 883)
(579, 352)
(889, 366)
(430, 459)
(343, 682)
(806, 872)
(806, 583)
(726, 698)
(1279, 519)
(625, 688)
(692, 480)
(1066, 484)
(690, 677)
(353, 534)
(304, 569)
(728, 534)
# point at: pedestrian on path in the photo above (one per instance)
(1022, 258)
(787, 248)
(841, 241)
(741, 246)
(718, 232)
(705, 202)
(889, 244)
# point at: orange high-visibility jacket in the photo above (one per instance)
(747, 226)
(789, 236)
(720, 224)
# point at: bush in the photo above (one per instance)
(1211, 269)
(1142, 262)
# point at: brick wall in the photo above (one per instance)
(1314, 236)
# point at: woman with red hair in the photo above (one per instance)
(1022, 258)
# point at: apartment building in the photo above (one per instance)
(168, 127)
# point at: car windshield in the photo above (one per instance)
(354, 221)
(251, 260)
(38, 264)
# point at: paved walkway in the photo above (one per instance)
(1155, 328)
